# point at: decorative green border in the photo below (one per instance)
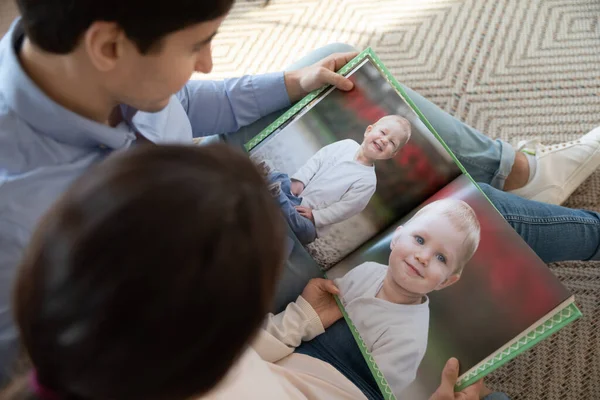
(523, 343)
(552, 325)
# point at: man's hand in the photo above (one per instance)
(306, 213)
(319, 294)
(449, 378)
(297, 188)
(301, 82)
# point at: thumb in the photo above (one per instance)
(449, 376)
(337, 80)
(330, 287)
(327, 286)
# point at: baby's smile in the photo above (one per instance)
(412, 270)
(377, 146)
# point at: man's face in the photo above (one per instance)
(425, 254)
(148, 81)
(384, 138)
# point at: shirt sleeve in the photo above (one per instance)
(215, 107)
(352, 202)
(398, 356)
(283, 332)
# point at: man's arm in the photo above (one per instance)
(352, 202)
(223, 107)
(215, 107)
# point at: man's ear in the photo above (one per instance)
(104, 44)
(451, 280)
(395, 237)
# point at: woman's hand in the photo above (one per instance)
(319, 294)
(449, 378)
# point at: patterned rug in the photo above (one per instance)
(512, 68)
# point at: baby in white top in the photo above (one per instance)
(389, 305)
(339, 180)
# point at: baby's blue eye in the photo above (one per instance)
(419, 239)
(441, 258)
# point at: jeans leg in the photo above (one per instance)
(487, 160)
(303, 228)
(244, 134)
(337, 347)
(555, 233)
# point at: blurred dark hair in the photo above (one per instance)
(150, 276)
(57, 26)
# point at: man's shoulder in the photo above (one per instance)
(34, 170)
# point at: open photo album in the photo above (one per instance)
(426, 266)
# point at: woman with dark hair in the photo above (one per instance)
(151, 276)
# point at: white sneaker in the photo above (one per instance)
(561, 168)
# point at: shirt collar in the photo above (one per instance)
(46, 116)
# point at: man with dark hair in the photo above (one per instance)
(80, 79)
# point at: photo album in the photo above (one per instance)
(426, 266)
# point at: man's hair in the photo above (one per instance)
(150, 276)
(464, 219)
(56, 26)
(403, 122)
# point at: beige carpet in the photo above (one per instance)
(512, 68)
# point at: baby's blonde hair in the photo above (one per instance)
(463, 217)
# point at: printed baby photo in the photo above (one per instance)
(410, 292)
(350, 164)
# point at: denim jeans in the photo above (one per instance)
(554, 233)
(338, 348)
(303, 228)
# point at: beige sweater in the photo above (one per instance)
(270, 370)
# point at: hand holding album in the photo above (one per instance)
(319, 294)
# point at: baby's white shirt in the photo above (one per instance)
(395, 334)
(337, 187)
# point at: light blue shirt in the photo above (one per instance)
(44, 147)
